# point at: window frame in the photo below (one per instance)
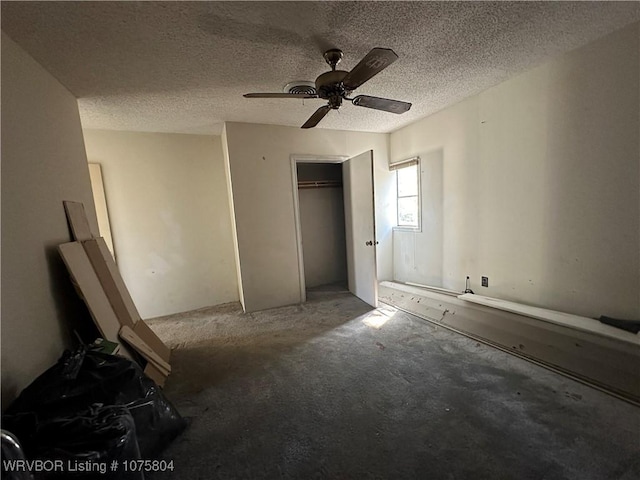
(410, 162)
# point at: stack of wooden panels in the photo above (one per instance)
(99, 283)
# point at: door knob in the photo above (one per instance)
(369, 243)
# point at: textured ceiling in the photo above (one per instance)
(183, 66)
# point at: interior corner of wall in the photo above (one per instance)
(234, 228)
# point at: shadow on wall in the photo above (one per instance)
(9, 390)
(71, 315)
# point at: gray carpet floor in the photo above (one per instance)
(334, 390)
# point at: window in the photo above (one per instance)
(408, 196)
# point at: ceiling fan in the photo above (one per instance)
(337, 85)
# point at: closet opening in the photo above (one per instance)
(322, 226)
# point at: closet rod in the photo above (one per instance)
(320, 184)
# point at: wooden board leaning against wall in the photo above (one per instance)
(99, 283)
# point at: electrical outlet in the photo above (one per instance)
(485, 281)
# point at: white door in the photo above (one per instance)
(357, 179)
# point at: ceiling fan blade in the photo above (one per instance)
(279, 95)
(373, 62)
(316, 117)
(386, 104)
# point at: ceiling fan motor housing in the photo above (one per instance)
(329, 84)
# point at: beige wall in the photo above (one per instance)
(43, 163)
(260, 170)
(100, 202)
(540, 184)
(170, 219)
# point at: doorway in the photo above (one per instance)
(350, 229)
(322, 225)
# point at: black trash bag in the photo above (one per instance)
(98, 378)
(12, 455)
(96, 443)
(157, 423)
(83, 378)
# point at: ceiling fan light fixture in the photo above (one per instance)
(300, 87)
